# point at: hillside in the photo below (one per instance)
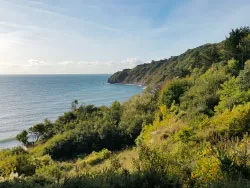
(198, 59)
(193, 131)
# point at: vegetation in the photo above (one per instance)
(189, 128)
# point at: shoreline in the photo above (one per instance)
(130, 84)
(11, 142)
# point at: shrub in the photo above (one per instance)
(244, 77)
(207, 170)
(172, 91)
(16, 161)
(235, 122)
(231, 95)
(51, 172)
(201, 98)
(234, 67)
(234, 157)
(97, 157)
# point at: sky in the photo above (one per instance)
(104, 36)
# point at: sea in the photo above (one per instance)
(26, 100)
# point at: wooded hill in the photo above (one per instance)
(196, 60)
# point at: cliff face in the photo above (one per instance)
(198, 59)
(119, 77)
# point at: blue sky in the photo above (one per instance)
(103, 36)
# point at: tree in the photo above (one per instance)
(210, 55)
(173, 91)
(37, 131)
(230, 95)
(244, 77)
(63, 120)
(23, 137)
(244, 46)
(115, 111)
(234, 67)
(232, 43)
(137, 111)
(201, 98)
(74, 105)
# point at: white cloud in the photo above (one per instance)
(127, 63)
(39, 36)
(131, 62)
(38, 66)
(36, 62)
(92, 63)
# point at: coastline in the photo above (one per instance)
(9, 142)
(130, 84)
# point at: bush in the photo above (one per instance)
(231, 95)
(234, 67)
(16, 160)
(234, 157)
(172, 91)
(51, 172)
(235, 122)
(97, 157)
(201, 98)
(244, 77)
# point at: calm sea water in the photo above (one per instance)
(28, 99)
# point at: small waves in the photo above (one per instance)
(28, 100)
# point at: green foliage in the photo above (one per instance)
(195, 133)
(51, 172)
(233, 156)
(231, 95)
(30, 182)
(63, 120)
(116, 112)
(138, 111)
(96, 157)
(234, 67)
(244, 77)
(233, 48)
(115, 164)
(207, 170)
(89, 128)
(202, 96)
(16, 160)
(37, 131)
(235, 122)
(74, 105)
(193, 60)
(244, 46)
(185, 134)
(119, 77)
(173, 90)
(23, 137)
